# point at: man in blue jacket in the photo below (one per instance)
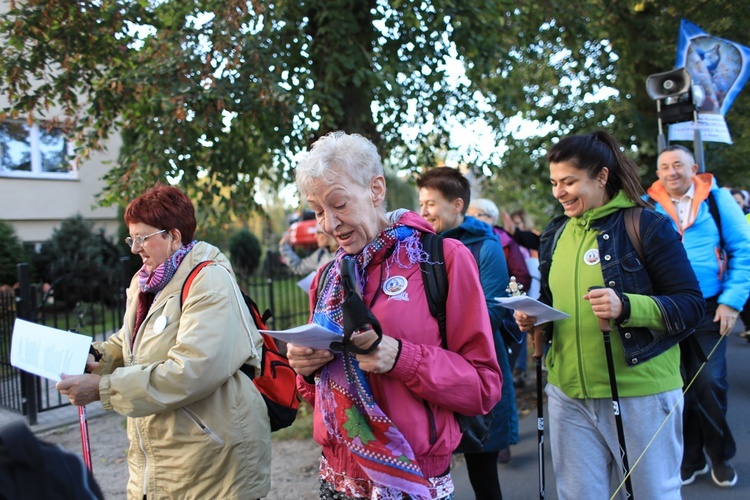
(444, 196)
(717, 241)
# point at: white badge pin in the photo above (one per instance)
(160, 324)
(395, 285)
(591, 257)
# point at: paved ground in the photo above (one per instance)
(519, 478)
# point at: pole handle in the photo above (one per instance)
(604, 325)
(538, 333)
(603, 322)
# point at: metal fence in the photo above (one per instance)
(67, 304)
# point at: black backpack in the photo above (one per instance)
(476, 429)
(31, 469)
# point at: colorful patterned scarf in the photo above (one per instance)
(154, 282)
(343, 393)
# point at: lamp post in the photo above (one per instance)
(677, 100)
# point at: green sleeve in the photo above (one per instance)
(644, 313)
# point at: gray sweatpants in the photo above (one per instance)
(585, 448)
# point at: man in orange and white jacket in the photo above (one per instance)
(717, 241)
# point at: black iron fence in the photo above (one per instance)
(70, 304)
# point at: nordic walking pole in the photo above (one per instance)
(84, 425)
(538, 352)
(606, 329)
(515, 289)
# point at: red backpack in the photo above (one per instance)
(277, 382)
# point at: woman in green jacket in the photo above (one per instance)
(652, 302)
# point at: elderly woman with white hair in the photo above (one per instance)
(384, 406)
(486, 211)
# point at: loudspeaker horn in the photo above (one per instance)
(669, 83)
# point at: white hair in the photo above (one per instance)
(486, 206)
(336, 153)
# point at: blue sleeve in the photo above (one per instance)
(736, 234)
(493, 275)
(673, 282)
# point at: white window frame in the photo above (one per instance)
(36, 171)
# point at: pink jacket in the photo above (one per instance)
(428, 383)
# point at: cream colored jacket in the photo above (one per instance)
(198, 428)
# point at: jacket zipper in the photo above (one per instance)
(276, 365)
(579, 330)
(431, 420)
(145, 459)
(203, 427)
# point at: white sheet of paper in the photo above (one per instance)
(542, 312)
(46, 351)
(310, 335)
(304, 283)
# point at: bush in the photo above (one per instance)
(80, 263)
(11, 253)
(134, 262)
(244, 251)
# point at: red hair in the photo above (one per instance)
(164, 207)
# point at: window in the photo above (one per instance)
(34, 151)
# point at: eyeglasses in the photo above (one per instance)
(140, 240)
(482, 215)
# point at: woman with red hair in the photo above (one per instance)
(197, 426)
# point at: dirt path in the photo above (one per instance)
(293, 469)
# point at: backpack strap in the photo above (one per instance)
(239, 294)
(189, 280)
(435, 279)
(632, 217)
(713, 208)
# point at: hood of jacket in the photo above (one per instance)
(471, 231)
(410, 219)
(619, 202)
(703, 183)
(205, 251)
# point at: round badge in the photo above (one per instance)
(160, 324)
(591, 257)
(395, 285)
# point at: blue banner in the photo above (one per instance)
(721, 68)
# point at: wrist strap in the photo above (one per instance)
(625, 314)
(97, 355)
